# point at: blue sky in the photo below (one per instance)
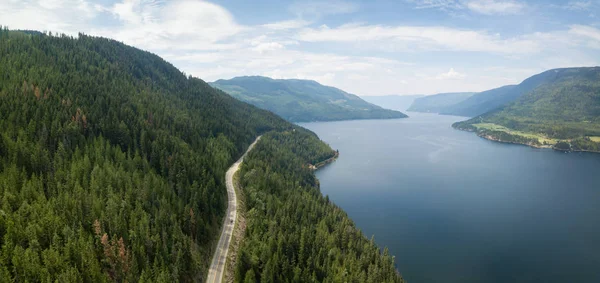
(364, 47)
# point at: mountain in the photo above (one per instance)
(302, 100)
(482, 102)
(438, 102)
(489, 100)
(562, 111)
(112, 167)
(112, 161)
(394, 102)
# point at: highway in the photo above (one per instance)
(217, 266)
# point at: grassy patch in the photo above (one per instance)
(495, 127)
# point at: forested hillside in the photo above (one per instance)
(112, 161)
(438, 102)
(302, 100)
(563, 112)
(482, 102)
(489, 100)
(294, 234)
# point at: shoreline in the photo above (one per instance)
(495, 139)
(324, 162)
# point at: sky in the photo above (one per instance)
(367, 48)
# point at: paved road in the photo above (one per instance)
(217, 267)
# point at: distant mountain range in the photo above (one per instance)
(438, 102)
(558, 108)
(394, 102)
(489, 100)
(473, 104)
(302, 100)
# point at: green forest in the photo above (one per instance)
(112, 164)
(563, 110)
(112, 161)
(294, 234)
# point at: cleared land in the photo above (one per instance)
(540, 137)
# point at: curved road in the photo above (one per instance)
(217, 267)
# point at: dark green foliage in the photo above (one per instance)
(294, 234)
(112, 161)
(302, 100)
(112, 165)
(566, 107)
(438, 102)
(564, 146)
(584, 144)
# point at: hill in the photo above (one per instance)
(394, 102)
(302, 100)
(489, 100)
(295, 234)
(562, 111)
(112, 165)
(438, 102)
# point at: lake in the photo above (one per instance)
(453, 207)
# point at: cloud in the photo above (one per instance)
(196, 57)
(286, 25)
(491, 7)
(269, 46)
(592, 35)
(181, 24)
(421, 38)
(486, 7)
(322, 8)
(437, 4)
(47, 15)
(586, 31)
(450, 75)
(578, 5)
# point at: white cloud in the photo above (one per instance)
(437, 4)
(586, 31)
(286, 25)
(269, 46)
(64, 16)
(490, 7)
(178, 24)
(50, 4)
(422, 38)
(486, 7)
(196, 57)
(450, 75)
(578, 5)
(322, 8)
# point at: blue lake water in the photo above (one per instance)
(453, 207)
